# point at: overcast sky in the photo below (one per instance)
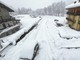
(33, 4)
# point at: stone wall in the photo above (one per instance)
(4, 13)
(6, 22)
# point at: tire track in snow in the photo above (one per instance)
(49, 37)
(44, 41)
(53, 36)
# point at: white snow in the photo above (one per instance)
(73, 5)
(6, 5)
(52, 39)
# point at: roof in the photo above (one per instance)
(75, 5)
(6, 7)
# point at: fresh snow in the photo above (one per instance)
(73, 5)
(7, 5)
(56, 42)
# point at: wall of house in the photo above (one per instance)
(4, 13)
(1, 27)
(74, 21)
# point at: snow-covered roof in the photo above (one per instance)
(2, 4)
(74, 5)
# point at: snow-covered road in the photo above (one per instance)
(51, 41)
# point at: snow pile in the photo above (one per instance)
(6, 5)
(28, 21)
(72, 43)
(19, 16)
(67, 32)
(69, 54)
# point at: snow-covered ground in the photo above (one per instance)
(27, 22)
(56, 42)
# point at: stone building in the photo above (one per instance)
(8, 24)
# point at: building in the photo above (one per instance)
(73, 15)
(8, 24)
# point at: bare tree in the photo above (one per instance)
(57, 9)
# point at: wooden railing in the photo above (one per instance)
(6, 20)
(71, 13)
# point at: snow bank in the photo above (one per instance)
(73, 54)
(67, 32)
(28, 21)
